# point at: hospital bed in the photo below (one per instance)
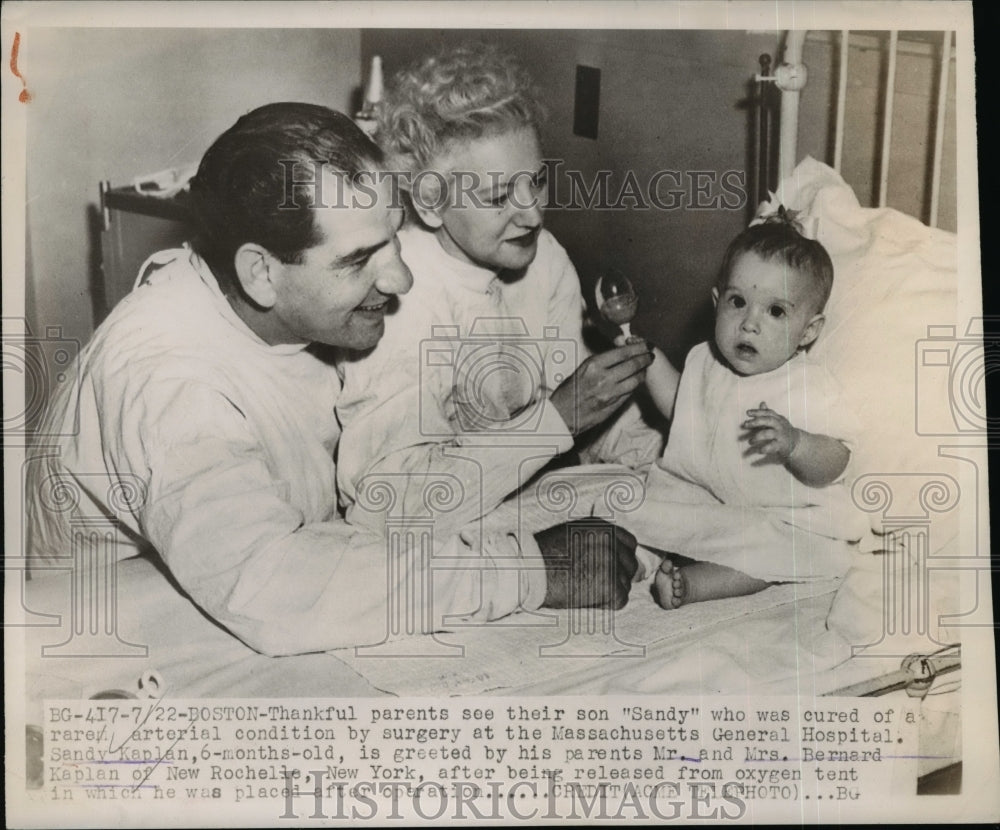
(910, 362)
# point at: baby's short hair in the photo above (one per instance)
(781, 241)
(464, 92)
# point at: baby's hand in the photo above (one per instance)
(770, 434)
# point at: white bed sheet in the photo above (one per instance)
(197, 658)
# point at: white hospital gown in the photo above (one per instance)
(711, 500)
(457, 390)
(228, 447)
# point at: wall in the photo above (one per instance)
(116, 103)
(677, 101)
(111, 104)
(913, 113)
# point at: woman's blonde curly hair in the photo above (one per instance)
(463, 92)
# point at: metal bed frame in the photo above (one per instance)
(790, 77)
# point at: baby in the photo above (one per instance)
(734, 431)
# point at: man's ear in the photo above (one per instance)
(715, 297)
(256, 269)
(812, 330)
(429, 198)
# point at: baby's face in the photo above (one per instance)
(766, 313)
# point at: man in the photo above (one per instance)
(208, 397)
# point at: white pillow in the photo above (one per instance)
(895, 279)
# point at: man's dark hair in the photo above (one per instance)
(781, 241)
(243, 190)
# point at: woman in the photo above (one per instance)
(482, 376)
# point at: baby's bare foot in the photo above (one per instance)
(701, 581)
(670, 586)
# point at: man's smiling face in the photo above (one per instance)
(339, 292)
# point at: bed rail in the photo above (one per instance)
(916, 675)
(790, 76)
